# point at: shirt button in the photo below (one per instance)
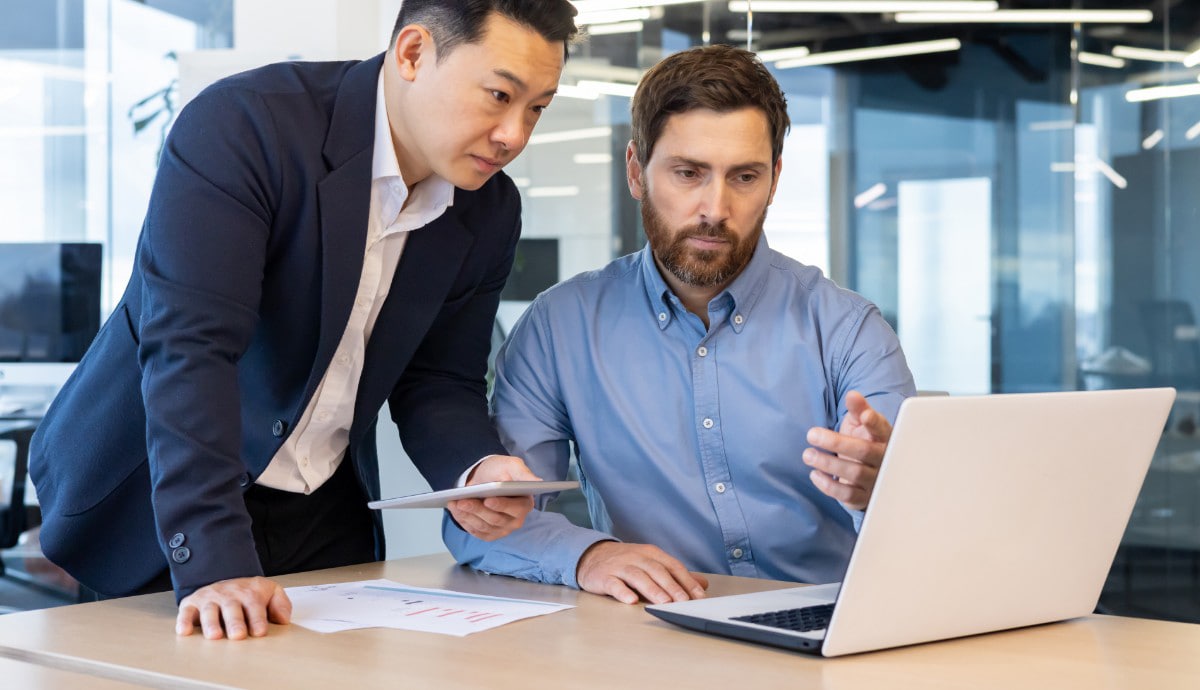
(181, 554)
(177, 540)
(720, 487)
(702, 351)
(662, 316)
(738, 319)
(736, 553)
(343, 360)
(323, 416)
(304, 462)
(708, 423)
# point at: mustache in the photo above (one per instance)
(716, 231)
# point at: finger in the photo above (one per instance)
(512, 506)
(473, 525)
(868, 452)
(860, 414)
(689, 582)
(701, 579)
(637, 578)
(876, 424)
(617, 589)
(234, 619)
(671, 581)
(853, 497)
(210, 620)
(856, 403)
(279, 608)
(256, 617)
(185, 622)
(850, 471)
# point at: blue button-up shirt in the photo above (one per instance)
(688, 438)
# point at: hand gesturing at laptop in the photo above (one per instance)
(846, 462)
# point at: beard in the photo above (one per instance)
(698, 267)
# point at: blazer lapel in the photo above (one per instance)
(344, 199)
(432, 258)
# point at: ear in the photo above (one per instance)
(633, 172)
(413, 47)
(775, 179)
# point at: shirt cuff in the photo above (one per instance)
(462, 478)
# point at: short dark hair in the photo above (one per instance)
(455, 22)
(719, 78)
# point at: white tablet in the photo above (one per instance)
(439, 499)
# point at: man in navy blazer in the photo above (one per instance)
(321, 238)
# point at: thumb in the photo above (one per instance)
(521, 472)
(279, 608)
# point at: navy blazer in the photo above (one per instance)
(247, 269)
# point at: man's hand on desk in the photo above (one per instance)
(847, 471)
(623, 571)
(233, 608)
(492, 518)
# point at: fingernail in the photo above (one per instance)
(808, 456)
(698, 593)
(814, 436)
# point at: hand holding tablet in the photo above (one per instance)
(439, 499)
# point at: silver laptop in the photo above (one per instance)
(990, 512)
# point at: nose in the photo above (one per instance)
(510, 132)
(715, 203)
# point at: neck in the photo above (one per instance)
(695, 299)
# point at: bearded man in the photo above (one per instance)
(702, 378)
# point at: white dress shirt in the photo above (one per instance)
(319, 440)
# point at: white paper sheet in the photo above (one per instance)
(388, 604)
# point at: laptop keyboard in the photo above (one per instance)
(802, 619)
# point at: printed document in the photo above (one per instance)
(388, 604)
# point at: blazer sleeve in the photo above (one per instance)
(202, 254)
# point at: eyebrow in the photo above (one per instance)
(752, 165)
(517, 81)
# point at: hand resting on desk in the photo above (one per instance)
(234, 608)
(624, 571)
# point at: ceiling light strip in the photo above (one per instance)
(1029, 17)
(873, 53)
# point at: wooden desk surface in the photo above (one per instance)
(602, 644)
(15, 674)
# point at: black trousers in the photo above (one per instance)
(293, 532)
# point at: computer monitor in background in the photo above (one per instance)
(49, 309)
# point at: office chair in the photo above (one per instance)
(14, 516)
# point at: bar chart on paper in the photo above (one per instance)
(388, 604)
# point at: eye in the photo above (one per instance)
(500, 96)
(686, 173)
(747, 178)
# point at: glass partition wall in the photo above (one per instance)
(1015, 191)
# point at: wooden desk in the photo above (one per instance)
(601, 644)
(15, 674)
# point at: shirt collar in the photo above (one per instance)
(743, 293)
(431, 197)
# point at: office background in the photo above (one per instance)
(1018, 198)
